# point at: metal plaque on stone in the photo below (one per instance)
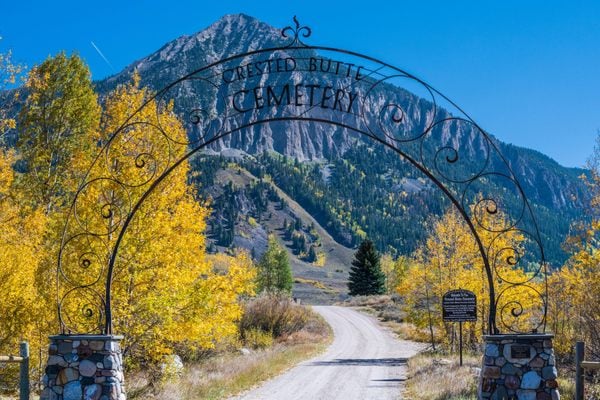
(520, 351)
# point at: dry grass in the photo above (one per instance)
(387, 309)
(566, 386)
(384, 307)
(9, 381)
(434, 378)
(316, 284)
(275, 314)
(368, 301)
(408, 331)
(566, 383)
(227, 374)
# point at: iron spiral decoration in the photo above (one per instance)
(296, 32)
(308, 85)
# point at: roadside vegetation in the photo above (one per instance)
(448, 259)
(275, 334)
(186, 313)
(61, 127)
(435, 377)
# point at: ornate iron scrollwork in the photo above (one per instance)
(352, 99)
(296, 32)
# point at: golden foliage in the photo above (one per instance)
(574, 290)
(450, 259)
(321, 259)
(10, 74)
(21, 245)
(166, 290)
(56, 128)
(167, 293)
(394, 271)
(57, 131)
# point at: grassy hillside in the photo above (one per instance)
(314, 282)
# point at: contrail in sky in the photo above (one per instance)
(102, 55)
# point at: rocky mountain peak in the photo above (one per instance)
(234, 34)
(231, 34)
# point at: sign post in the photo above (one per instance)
(459, 306)
(460, 344)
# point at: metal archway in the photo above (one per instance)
(233, 96)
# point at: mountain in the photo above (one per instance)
(246, 209)
(352, 187)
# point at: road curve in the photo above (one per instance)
(364, 362)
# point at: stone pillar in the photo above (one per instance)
(84, 367)
(518, 367)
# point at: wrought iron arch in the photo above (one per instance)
(233, 97)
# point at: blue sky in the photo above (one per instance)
(526, 71)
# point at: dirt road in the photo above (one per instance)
(364, 362)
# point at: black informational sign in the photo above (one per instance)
(459, 306)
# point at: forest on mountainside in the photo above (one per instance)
(368, 192)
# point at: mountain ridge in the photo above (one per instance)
(554, 190)
(211, 44)
(545, 181)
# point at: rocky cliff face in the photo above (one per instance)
(544, 180)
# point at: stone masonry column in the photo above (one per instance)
(518, 367)
(84, 367)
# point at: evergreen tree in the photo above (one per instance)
(366, 277)
(299, 243)
(289, 231)
(312, 254)
(274, 273)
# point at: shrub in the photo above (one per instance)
(275, 314)
(257, 338)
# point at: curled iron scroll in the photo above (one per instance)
(295, 32)
(92, 226)
(462, 177)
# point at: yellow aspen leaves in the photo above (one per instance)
(450, 259)
(168, 295)
(167, 292)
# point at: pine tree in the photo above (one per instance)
(366, 277)
(274, 272)
(312, 254)
(289, 231)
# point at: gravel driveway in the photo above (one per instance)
(364, 362)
